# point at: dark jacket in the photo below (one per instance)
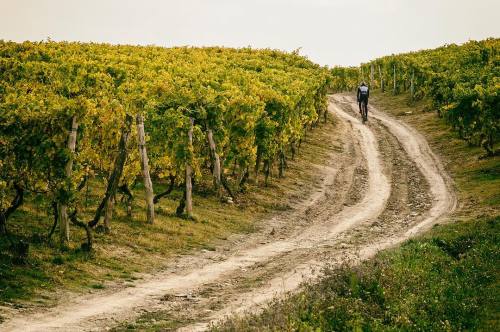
(363, 93)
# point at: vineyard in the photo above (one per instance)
(73, 113)
(151, 181)
(461, 81)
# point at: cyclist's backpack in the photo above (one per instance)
(364, 90)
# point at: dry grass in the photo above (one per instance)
(134, 247)
(477, 179)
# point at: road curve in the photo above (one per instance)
(298, 250)
(441, 190)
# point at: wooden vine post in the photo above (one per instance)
(381, 79)
(189, 171)
(257, 164)
(372, 69)
(394, 79)
(412, 84)
(62, 207)
(148, 185)
(215, 162)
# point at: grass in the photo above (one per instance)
(477, 179)
(442, 282)
(445, 280)
(134, 247)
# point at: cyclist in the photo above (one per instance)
(363, 95)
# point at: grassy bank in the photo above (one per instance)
(445, 280)
(133, 247)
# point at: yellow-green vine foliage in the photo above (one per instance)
(463, 82)
(255, 101)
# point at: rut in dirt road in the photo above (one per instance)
(363, 205)
(411, 208)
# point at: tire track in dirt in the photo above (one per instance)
(351, 216)
(103, 310)
(411, 170)
(409, 197)
(285, 272)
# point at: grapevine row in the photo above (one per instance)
(462, 82)
(73, 112)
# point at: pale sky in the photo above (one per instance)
(329, 32)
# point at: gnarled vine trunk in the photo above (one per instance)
(114, 178)
(159, 196)
(125, 190)
(90, 238)
(257, 165)
(244, 179)
(3, 226)
(55, 214)
(267, 171)
(225, 182)
(16, 202)
(282, 164)
(108, 215)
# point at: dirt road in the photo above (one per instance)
(384, 186)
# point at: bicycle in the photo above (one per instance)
(363, 108)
